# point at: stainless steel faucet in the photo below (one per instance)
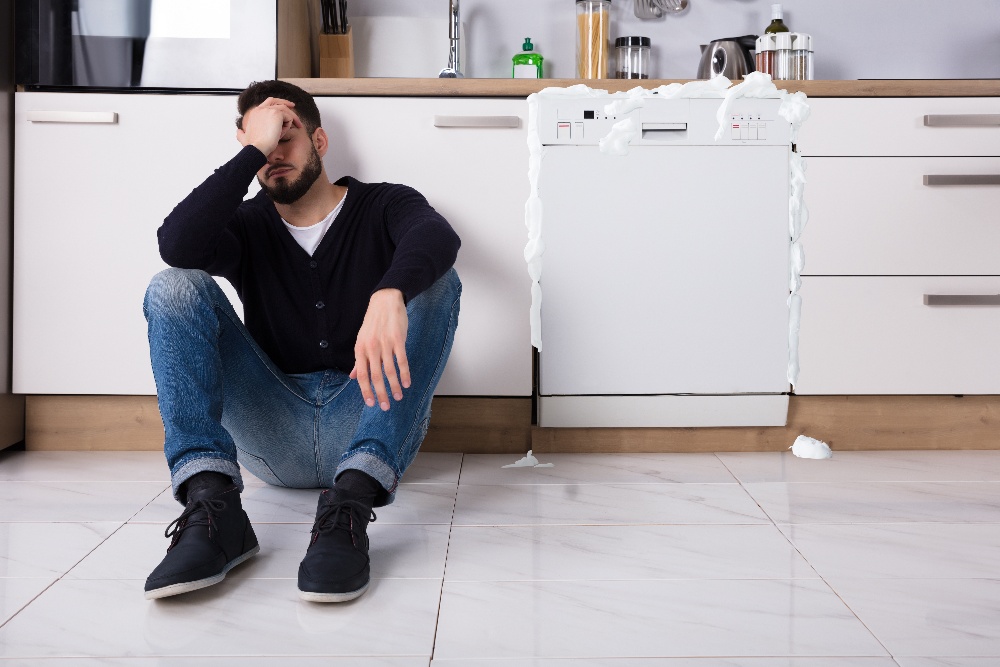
(454, 68)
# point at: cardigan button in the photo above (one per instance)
(323, 344)
(320, 304)
(313, 264)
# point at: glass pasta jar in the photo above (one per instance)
(593, 38)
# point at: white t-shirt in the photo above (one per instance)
(309, 237)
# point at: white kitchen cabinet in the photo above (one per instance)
(476, 176)
(875, 335)
(895, 126)
(881, 234)
(875, 216)
(90, 196)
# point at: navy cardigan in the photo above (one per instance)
(305, 312)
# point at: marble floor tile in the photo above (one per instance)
(433, 468)
(605, 504)
(894, 466)
(16, 593)
(597, 469)
(397, 550)
(48, 549)
(415, 503)
(23, 466)
(670, 662)
(207, 661)
(900, 550)
(626, 619)
(948, 662)
(879, 502)
(522, 553)
(255, 617)
(75, 501)
(928, 617)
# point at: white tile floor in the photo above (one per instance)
(869, 559)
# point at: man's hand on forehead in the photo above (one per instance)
(265, 124)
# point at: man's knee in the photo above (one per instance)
(442, 295)
(175, 289)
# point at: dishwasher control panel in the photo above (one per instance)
(579, 121)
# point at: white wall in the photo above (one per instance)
(855, 39)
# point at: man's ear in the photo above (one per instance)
(321, 141)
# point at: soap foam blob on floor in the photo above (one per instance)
(805, 447)
(528, 461)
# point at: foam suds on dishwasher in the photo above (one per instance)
(794, 108)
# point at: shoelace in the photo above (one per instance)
(211, 506)
(329, 519)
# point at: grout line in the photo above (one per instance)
(25, 606)
(60, 577)
(444, 572)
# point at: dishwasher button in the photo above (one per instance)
(761, 131)
(753, 131)
(562, 130)
(744, 131)
(736, 131)
(578, 130)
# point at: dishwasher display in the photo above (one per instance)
(666, 280)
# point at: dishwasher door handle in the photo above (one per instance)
(962, 299)
(664, 127)
(963, 120)
(477, 121)
(962, 179)
(109, 117)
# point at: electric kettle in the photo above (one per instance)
(730, 57)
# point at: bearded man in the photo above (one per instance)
(350, 308)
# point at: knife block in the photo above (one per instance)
(336, 55)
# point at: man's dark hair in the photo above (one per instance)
(257, 92)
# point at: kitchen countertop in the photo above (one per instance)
(524, 87)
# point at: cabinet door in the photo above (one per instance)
(896, 127)
(89, 197)
(875, 335)
(879, 216)
(477, 178)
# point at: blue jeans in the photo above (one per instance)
(222, 399)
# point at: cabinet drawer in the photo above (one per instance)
(875, 216)
(874, 335)
(895, 127)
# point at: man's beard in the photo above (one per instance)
(285, 192)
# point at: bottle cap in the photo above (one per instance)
(765, 42)
(775, 11)
(783, 40)
(527, 46)
(632, 41)
(802, 42)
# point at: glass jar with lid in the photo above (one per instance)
(593, 38)
(633, 57)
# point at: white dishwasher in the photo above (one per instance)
(666, 270)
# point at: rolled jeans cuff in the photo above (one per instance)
(203, 464)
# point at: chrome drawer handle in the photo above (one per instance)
(962, 179)
(109, 117)
(477, 121)
(963, 120)
(962, 299)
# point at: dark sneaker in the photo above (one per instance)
(212, 536)
(336, 567)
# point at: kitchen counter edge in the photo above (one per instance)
(397, 87)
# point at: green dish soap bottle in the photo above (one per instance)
(527, 64)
